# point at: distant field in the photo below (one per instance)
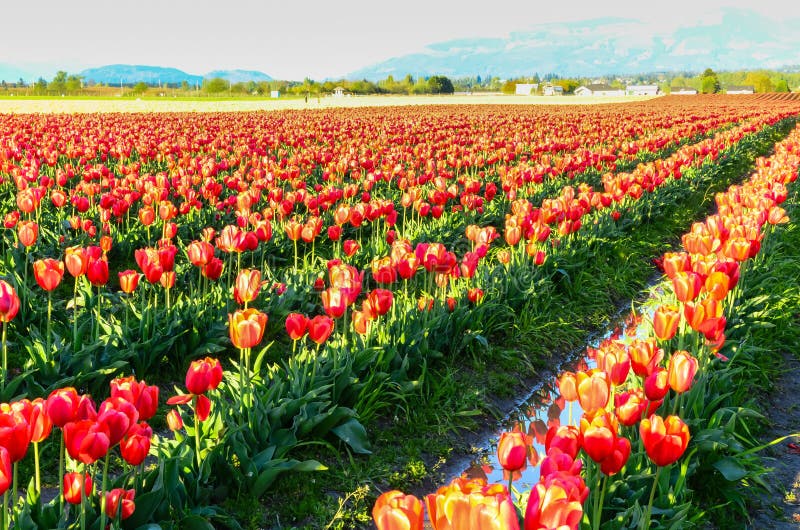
(17, 105)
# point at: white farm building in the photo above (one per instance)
(642, 90)
(599, 90)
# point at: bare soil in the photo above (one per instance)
(780, 510)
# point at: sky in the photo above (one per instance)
(295, 39)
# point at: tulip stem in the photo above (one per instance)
(598, 507)
(103, 494)
(5, 358)
(646, 520)
(49, 325)
(75, 316)
(38, 481)
(4, 513)
(61, 478)
(196, 436)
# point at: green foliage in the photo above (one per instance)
(439, 84)
(216, 85)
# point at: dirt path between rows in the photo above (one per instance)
(780, 510)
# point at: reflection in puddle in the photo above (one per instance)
(546, 408)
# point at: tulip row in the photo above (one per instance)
(706, 274)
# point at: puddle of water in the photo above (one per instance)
(544, 407)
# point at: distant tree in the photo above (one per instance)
(59, 82)
(709, 82)
(40, 86)
(760, 81)
(439, 84)
(21, 83)
(781, 85)
(509, 87)
(139, 88)
(73, 84)
(185, 85)
(569, 85)
(217, 85)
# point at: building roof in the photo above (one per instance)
(740, 87)
(601, 87)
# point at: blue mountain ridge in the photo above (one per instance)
(737, 39)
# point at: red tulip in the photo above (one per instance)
(665, 440)
(120, 500)
(246, 327)
(381, 301)
(87, 441)
(14, 434)
(118, 415)
(512, 451)
(62, 406)
(203, 375)
(48, 273)
(6, 470)
(566, 438)
(320, 328)
(296, 325)
(395, 510)
(598, 435)
(618, 457)
(9, 302)
(167, 279)
(213, 269)
(350, 247)
(656, 385)
(135, 445)
(143, 397)
(73, 483)
(551, 506)
(97, 271)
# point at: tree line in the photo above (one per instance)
(708, 81)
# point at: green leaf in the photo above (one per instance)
(730, 469)
(195, 522)
(353, 434)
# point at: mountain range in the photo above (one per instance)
(129, 74)
(737, 39)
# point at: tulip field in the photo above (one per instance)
(199, 308)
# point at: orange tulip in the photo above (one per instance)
(568, 386)
(551, 506)
(76, 259)
(598, 435)
(28, 232)
(687, 285)
(48, 273)
(645, 356)
(594, 390)
(682, 368)
(247, 286)
(665, 321)
(630, 406)
(246, 327)
(394, 511)
(128, 281)
(717, 285)
(665, 440)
